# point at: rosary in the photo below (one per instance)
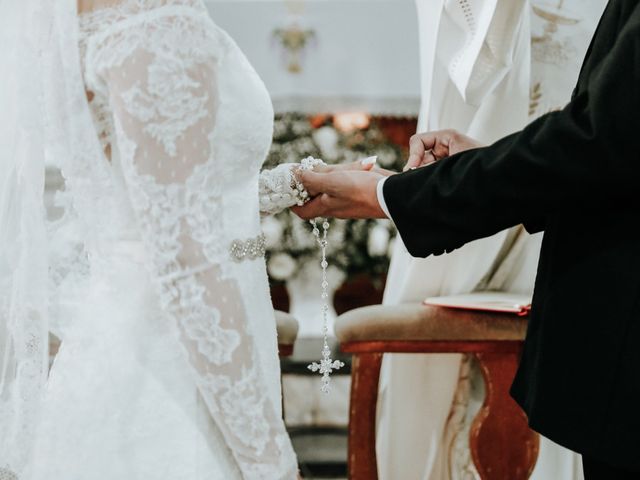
(326, 365)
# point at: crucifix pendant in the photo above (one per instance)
(326, 367)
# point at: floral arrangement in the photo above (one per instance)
(355, 246)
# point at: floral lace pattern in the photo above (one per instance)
(157, 63)
(168, 120)
(277, 189)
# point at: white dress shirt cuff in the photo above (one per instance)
(380, 193)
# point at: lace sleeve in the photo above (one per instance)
(280, 189)
(160, 74)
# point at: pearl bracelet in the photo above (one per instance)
(299, 190)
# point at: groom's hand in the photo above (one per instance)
(427, 148)
(341, 194)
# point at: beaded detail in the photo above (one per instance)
(248, 249)
(327, 365)
(280, 188)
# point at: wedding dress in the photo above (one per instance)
(168, 365)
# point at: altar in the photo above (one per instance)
(328, 56)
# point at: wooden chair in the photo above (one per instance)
(502, 445)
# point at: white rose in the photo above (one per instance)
(281, 266)
(378, 242)
(327, 140)
(273, 230)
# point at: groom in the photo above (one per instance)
(575, 174)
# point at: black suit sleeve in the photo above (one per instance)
(583, 157)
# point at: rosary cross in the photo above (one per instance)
(326, 367)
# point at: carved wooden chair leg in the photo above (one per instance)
(502, 445)
(365, 375)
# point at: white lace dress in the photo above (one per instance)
(168, 367)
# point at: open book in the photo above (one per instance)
(485, 301)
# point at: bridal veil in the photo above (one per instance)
(42, 117)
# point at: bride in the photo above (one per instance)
(154, 277)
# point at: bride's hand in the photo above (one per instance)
(365, 165)
(383, 171)
(360, 165)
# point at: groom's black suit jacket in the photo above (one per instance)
(575, 174)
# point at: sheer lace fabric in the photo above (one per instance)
(278, 188)
(186, 140)
(24, 318)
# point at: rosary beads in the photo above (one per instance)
(326, 365)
